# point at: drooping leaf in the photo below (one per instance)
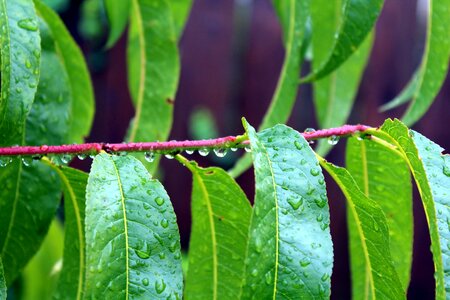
(290, 253)
(383, 176)
(357, 21)
(428, 79)
(219, 235)
(180, 14)
(431, 171)
(334, 94)
(2, 282)
(295, 13)
(41, 274)
(82, 105)
(20, 60)
(26, 192)
(373, 232)
(117, 12)
(132, 239)
(71, 280)
(153, 70)
(53, 97)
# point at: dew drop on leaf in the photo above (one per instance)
(248, 148)
(164, 223)
(298, 145)
(145, 282)
(310, 130)
(160, 286)
(28, 24)
(189, 151)
(295, 203)
(314, 172)
(305, 262)
(268, 277)
(66, 158)
(159, 201)
(254, 272)
(143, 253)
(234, 149)
(446, 170)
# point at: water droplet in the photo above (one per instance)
(159, 201)
(203, 151)
(189, 151)
(169, 156)
(295, 203)
(325, 277)
(258, 245)
(143, 252)
(268, 277)
(314, 172)
(319, 218)
(333, 140)
(220, 152)
(66, 158)
(162, 255)
(160, 286)
(149, 156)
(28, 64)
(298, 145)
(310, 130)
(27, 161)
(164, 223)
(320, 203)
(446, 170)
(4, 161)
(375, 226)
(254, 272)
(82, 156)
(234, 149)
(145, 282)
(305, 262)
(173, 246)
(28, 24)
(248, 148)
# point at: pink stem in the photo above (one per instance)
(163, 147)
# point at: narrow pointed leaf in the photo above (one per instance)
(82, 104)
(132, 239)
(383, 176)
(431, 171)
(219, 235)
(334, 94)
(20, 61)
(2, 282)
(373, 232)
(290, 253)
(117, 12)
(295, 13)
(153, 70)
(358, 20)
(26, 193)
(71, 280)
(428, 79)
(180, 14)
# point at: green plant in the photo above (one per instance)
(121, 238)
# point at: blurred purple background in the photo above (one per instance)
(231, 55)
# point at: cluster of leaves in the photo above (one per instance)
(121, 238)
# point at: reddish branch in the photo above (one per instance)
(165, 147)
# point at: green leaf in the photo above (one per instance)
(3, 291)
(334, 94)
(57, 5)
(295, 13)
(428, 79)
(41, 274)
(180, 14)
(373, 232)
(132, 239)
(153, 70)
(20, 60)
(358, 20)
(26, 192)
(290, 253)
(383, 176)
(53, 97)
(117, 12)
(431, 171)
(71, 280)
(82, 105)
(219, 235)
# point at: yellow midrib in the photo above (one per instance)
(213, 234)
(125, 225)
